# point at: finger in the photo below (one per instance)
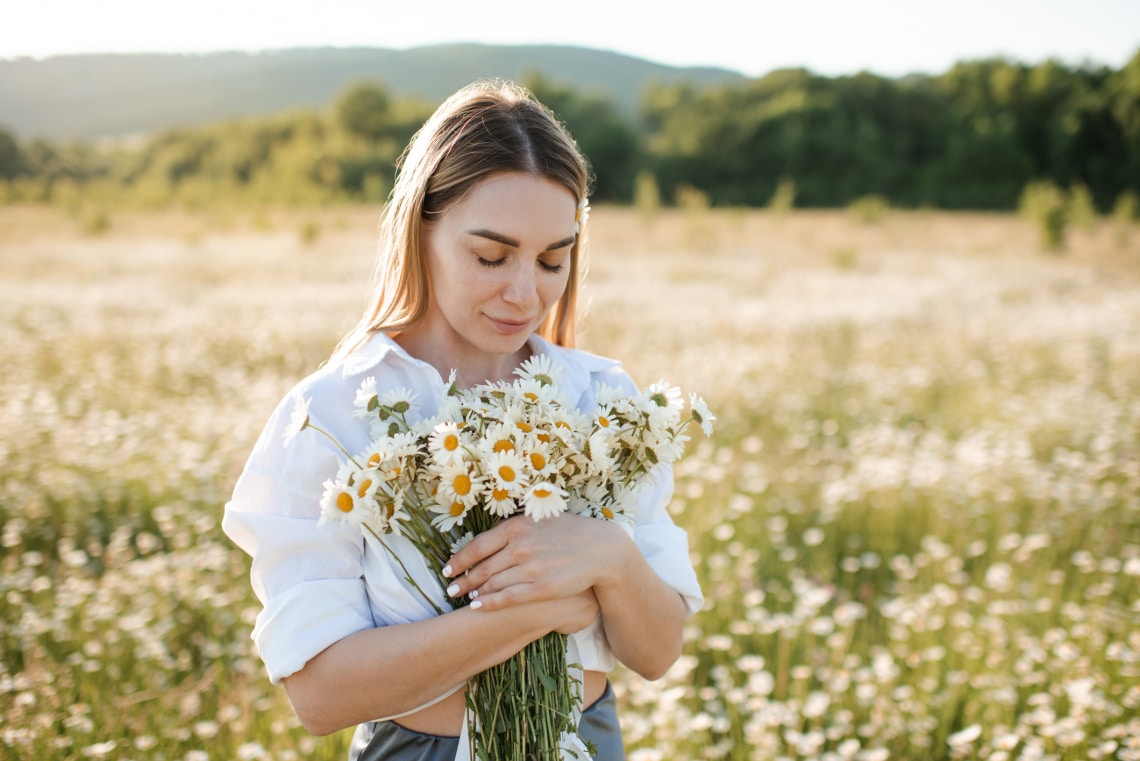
(471, 581)
(477, 550)
(515, 594)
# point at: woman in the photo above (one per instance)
(479, 259)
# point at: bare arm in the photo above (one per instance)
(388, 670)
(520, 562)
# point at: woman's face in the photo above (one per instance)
(498, 260)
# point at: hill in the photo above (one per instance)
(116, 95)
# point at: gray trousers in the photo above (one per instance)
(388, 741)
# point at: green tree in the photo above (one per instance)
(608, 141)
(364, 110)
(11, 157)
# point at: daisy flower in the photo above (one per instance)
(340, 504)
(544, 500)
(365, 483)
(399, 400)
(461, 542)
(539, 459)
(700, 412)
(450, 408)
(582, 214)
(457, 484)
(541, 368)
(567, 424)
(597, 448)
(508, 471)
(606, 394)
(446, 443)
(534, 391)
(299, 420)
(498, 438)
(516, 418)
(664, 395)
(604, 420)
(501, 502)
(448, 516)
(365, 397)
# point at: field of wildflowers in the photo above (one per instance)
(917, 525)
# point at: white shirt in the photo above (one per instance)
(319, 585)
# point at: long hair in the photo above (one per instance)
(484, 128)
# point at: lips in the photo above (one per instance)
(509, 326)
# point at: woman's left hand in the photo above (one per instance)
(521, 560)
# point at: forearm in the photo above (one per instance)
(643, 617)
(392, 669)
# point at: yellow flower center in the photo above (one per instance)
(608, 513)
(542, 493)
(530, 396)
(462, 484)
(499, 494)
(364, 487)
(451, 442)
(504, 445)
(456, 509)
(543, 437)
(603, 421)
(507, 473)
(537, 461)
(344, 502)
(562, 424)
(374, 460)
(524, 426)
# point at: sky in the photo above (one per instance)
(753, 37)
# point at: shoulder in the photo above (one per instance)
(331, 389)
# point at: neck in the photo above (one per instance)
(471, 367)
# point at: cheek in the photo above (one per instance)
(553, 288)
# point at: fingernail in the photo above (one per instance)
(475, 605)
(474, 593)
(447, 571)
(453, 590)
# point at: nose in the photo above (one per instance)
(520, 290)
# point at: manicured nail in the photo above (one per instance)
(474, 593)
(476, 604)
(447, 571)
(453, 590)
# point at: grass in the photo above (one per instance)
(918, 525)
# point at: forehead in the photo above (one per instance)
(515, 198)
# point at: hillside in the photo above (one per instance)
(96, 96)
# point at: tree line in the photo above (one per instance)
(974, 137)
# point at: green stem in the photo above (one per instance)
(332, 438)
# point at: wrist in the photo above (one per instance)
(618, 558)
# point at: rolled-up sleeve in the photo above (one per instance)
(308, 578)
(664, 544)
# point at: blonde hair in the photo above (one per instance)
(484, 128)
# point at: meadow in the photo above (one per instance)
(917, 524)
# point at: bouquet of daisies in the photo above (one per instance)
(492, 452)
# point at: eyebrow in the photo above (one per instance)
(508, 241)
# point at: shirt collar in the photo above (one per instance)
(369, 354)
(579, 365)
